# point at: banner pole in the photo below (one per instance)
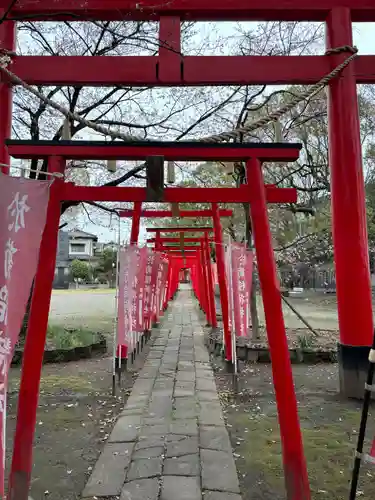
(115, 326)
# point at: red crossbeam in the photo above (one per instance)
(160, 214)
(140, 150)
(179, 252)
(204, 229)
(70, 192)
(184, 245)
(190, 10)
(195, 70)
(176, 240)
(189, 248)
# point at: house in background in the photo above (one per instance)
(74, 245)
(82, 245)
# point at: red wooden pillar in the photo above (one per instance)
(169, 48)
(200, 282)
(19, 482)
(169, 282)
(222, 278)
(211, 290)
(295, 471)
(7, 41)
(349, 227)
(136, 220)
(202, 259)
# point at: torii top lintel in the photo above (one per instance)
(193, 10)
(140, 150)
(160, 214)
(204, 229)
(172, 67)
(166, 239)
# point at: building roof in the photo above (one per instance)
(82, 234)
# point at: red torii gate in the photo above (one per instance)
(187, 247)
(207, 295)
(170, 67)
(137, 213)
(254, 193)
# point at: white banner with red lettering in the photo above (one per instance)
(128, 267)
(142, 282)
(239, 272)
(23, 209)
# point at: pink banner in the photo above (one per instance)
(23, 208)
(140, 291)
(161, 281)
(128, 261)
(147, 302)
(154, 279)
(241, 282)
(214, 273)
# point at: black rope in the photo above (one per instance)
(362, 428)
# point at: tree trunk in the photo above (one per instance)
(255, 331)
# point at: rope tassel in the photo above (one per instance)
(171, 173)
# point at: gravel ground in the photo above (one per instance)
(75, 415)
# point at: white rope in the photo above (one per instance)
(276, 115)
(59, 175)
(5, 60)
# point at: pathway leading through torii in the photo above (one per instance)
(170, 441)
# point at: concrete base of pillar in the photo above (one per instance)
(353, 367)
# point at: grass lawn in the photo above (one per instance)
(329, 424)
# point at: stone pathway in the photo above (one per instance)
(170, 442)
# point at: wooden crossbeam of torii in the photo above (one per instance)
(160, 214)
(172, 246)
(179, 251)
(198, 229)
(191, 10)
(176, 240)
(168, 67)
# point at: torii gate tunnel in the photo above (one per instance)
(171, 68)
(255, 193)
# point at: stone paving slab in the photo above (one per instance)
(170, 441)
(109, 473)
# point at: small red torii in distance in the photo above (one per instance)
(160, 214)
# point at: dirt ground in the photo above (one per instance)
(75, 416)
(329, 424)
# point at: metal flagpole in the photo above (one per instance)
(359, 455)
(115, 327)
